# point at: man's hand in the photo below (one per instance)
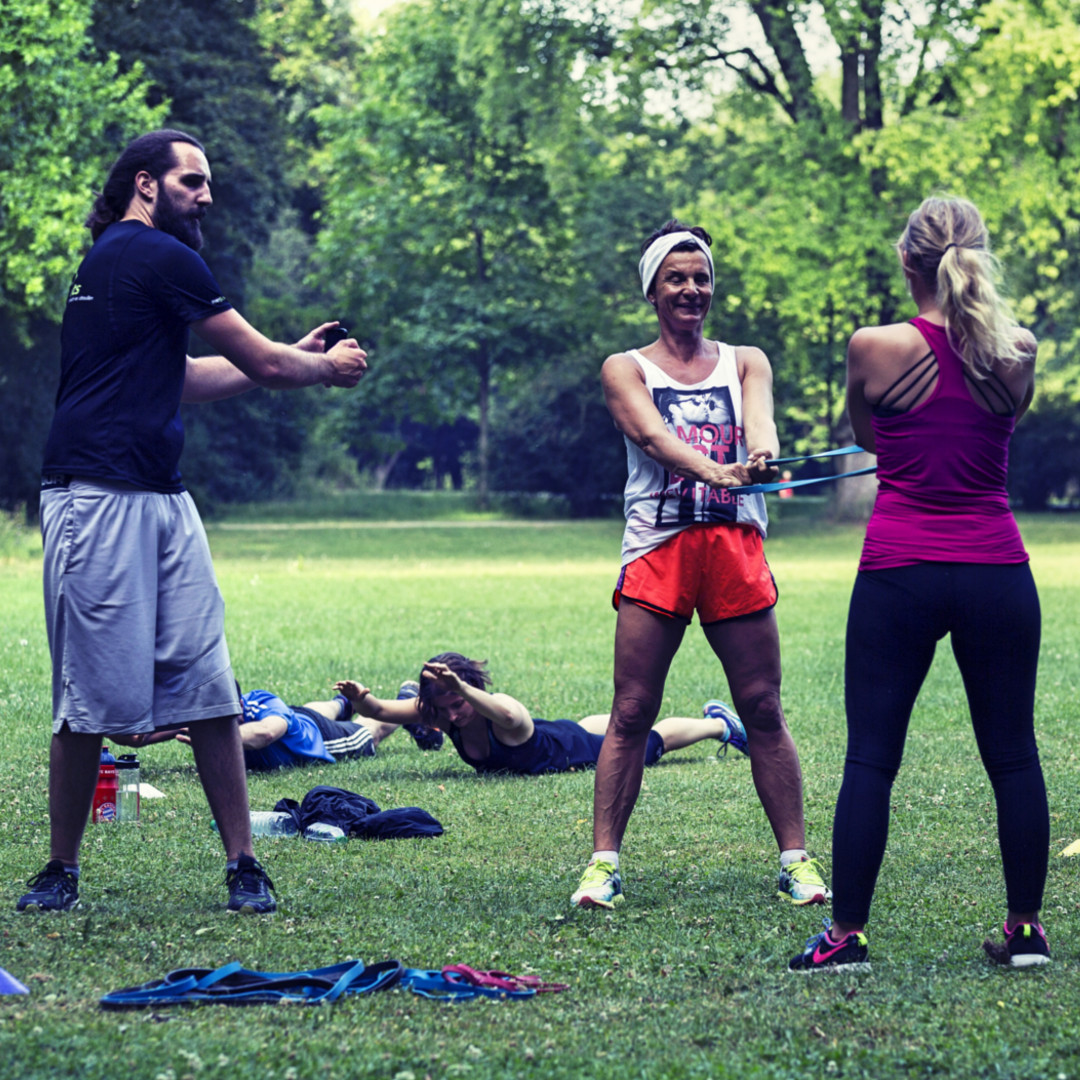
(315, 340)
(350, 363)
(151, 737)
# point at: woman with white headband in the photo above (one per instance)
(697, 416)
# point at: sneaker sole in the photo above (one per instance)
(251, 909)
(39, 909)
(1025, 960)
(589, 902)
(854, 967)
(817, 898)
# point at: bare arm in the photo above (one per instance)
(759, 425)
(213, 378)
(637, 418)
(858, 407)
(260, 733)
(513, 720)
(270, 363)
(1029, 347)
(366, 704)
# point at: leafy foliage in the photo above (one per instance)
(64, 110)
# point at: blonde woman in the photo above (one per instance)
(937, 399)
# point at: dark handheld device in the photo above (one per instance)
(332, 337)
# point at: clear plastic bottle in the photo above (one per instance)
(328, 834)
(268, 823)
(127, 785)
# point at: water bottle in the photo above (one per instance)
(328, 834)
(104, 805)
(269, 823)
(127, 782)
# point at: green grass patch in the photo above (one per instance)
(685, 980)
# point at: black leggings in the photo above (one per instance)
(895, 620)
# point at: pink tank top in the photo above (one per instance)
(941, 477)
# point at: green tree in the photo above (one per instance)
(65, 110)
(440, 228)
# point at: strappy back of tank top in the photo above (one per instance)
(920, 381)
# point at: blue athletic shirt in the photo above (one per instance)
(554, 746)
(123, 349)
(301, 744)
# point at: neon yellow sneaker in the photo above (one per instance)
(802, 883)
(600, 886)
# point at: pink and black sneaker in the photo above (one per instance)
(824, 954)
(1027, 945)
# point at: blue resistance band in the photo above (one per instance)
(812, 457)
(764, 489)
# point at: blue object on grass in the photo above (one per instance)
(10, 985)
(233, 984)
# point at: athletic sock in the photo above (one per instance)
(606, 856)
(792, 855)
(346, 706)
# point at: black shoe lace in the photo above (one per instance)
(51, 875)
(248, 879)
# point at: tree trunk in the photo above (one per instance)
(852, 499)
(778, 24)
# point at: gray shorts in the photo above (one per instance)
(135, 619)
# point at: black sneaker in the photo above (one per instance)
(249, 888)
(54, 889)
(824, 954)
(1027, 945)
(426, 738)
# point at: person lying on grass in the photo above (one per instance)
(495, 732)
(276, 735)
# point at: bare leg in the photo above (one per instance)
(74, 760)
(749, 649)
(678, 732)
(378, 729)
(644, 647)
(219, 758)
(597, 724)
(332, 711)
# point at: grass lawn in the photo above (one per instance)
(686, 979)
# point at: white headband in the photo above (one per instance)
(659, 250)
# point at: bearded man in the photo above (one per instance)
(132, 607)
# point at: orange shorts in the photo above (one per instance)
(718, 570)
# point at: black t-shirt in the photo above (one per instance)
(123, 358)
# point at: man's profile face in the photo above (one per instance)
(183, 196)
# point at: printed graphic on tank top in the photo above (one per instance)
(706, 415)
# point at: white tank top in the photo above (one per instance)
(706, 415)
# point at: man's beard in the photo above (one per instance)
(185, 227)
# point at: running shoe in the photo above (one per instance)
(1027, 945)
(249, 888)
(600, 886)
(736, 733)
(802, 883)
(824, 954)
(426, 738)
(54, 889)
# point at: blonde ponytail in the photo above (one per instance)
(947, 245)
